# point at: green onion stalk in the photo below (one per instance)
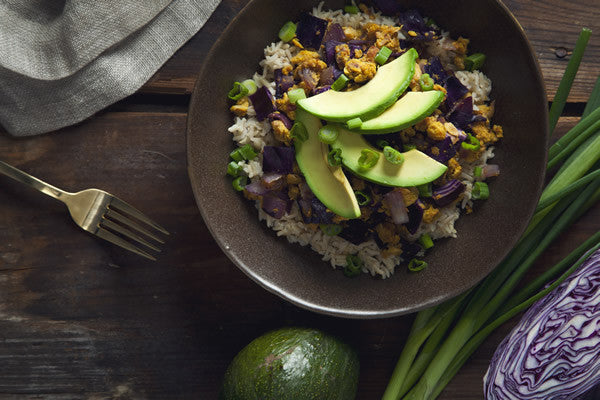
(443, 338)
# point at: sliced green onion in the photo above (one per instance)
(368, 158)
(340, 83)
(381, 143)
(472, 143)
(564, 87)
(250, 85)
(351, 9)
(330, 229)
(383, 55)
(239, 183)
(248, 152)
(426, 82)
(296, 94)
(408, 147)
(393, 155)
(425, 190)
(354, 123)
(362, 198)
(236, 155)
(238, 91)
(353, 265)
(480, 191)
(233, 169)
(334, 157)
(474, 61)
(287, 31)
(416, 265)
(477, 171)
(299, 132)
(426, 241)
(328, 133)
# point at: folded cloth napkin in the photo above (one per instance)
(63, 60)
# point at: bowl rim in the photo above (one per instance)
(313, 306)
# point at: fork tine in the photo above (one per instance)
(129, 209)
(126, 232)
(111, 237)
(130, 223)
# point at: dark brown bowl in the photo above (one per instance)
(298, 274)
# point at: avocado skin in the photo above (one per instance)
(292, 364)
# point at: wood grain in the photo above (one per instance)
(82, 319)
(549, 25)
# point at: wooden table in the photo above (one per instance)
(80, 318)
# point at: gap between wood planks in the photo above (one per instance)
(152, 103)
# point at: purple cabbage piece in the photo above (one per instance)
(311, 30)
(256, 188)
(462, 113)
(330, 51)
(322, 89)
(314, 212)
(279, 159)
(410, 250)
(446, 194)
(455, 90)
(415, 216)
(276, 204)
(387, 7)
(552, 353)
(327, 76)
(263, 103)
(309, 78)
(412, 21)
(436, 71)
(334, 32)
(283, 83)
(446, 150)
(356, 232)
(281, 117)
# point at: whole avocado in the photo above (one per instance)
(292, 364)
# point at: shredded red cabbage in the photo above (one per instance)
(552, 353)
(447, 193)
(263, 103)
(311, 30)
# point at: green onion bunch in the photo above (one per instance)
(443, 337)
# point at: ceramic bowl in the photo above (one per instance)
(298, 274)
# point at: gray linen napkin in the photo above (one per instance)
(63, 60)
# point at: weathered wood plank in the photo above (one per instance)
(80, 318)
(549, 24)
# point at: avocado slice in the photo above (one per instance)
(328, 183)
(410, 109)
(368, 101)
(417, 169)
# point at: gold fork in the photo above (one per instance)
(99, 213)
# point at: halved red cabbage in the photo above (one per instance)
(281, 117)
(263, 102)
(278, 159)
(311, 30)
(553, 352)
(447, 193)
(415, 216)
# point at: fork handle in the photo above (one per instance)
(34, 182)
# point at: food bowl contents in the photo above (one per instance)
(292, 363)
(365, 136)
